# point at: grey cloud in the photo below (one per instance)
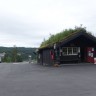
(28, 26)
(21, 32)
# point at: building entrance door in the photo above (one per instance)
(90, 54)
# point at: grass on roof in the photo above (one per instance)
(60, 36)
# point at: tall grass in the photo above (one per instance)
(60, 36)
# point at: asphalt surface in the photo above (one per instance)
(35, 80)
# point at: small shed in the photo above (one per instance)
(76, 47)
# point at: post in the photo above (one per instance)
(56, 63)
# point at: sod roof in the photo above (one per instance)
(60, 37)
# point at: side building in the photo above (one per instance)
(76, 47)
(1, 56)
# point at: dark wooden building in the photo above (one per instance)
(76, 47)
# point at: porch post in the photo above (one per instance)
(56, 55)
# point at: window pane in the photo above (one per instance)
(70, 50)
(75, 50)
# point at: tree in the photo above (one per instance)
(7, 58)
(19, 58)
(14, 54)
(22, 51)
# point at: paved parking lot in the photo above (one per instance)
(35, 80)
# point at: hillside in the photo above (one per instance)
(24, 52)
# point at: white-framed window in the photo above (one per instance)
(75, 50)
(70, 50)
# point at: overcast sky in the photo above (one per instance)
(27, 22)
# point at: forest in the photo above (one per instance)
(17, 54)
